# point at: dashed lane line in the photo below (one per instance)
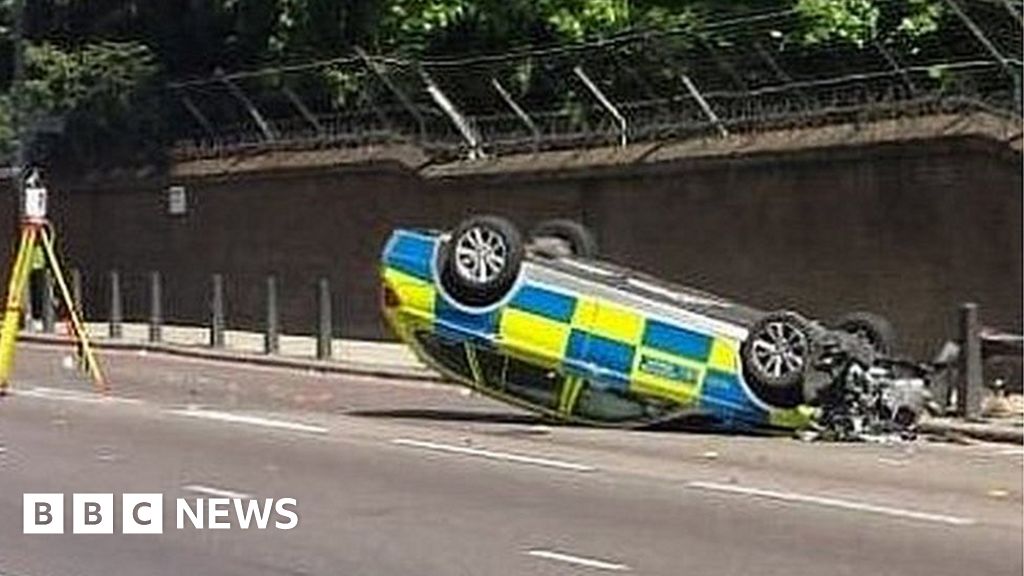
(578, 560)
(829, 502)
(233, 418)
(493, 455)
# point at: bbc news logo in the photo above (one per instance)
(144, 513)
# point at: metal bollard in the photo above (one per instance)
(156, 311)
(116, 306)
(325, 329)
(970, 382)
(76, 291)
(49, 311)
(271, 339)
(26, 307)
(217, 312)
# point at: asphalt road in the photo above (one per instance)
(406, 478)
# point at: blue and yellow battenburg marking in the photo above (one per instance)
(584, 336)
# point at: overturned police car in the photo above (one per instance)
(543, 324)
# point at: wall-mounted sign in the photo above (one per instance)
(177, 201)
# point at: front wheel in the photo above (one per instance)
(777, 356)
(479, 263)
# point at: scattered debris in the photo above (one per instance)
(868, 399)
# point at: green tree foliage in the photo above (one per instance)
(98, 64)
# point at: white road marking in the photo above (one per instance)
(73, 396)
(491, 455)
(250, 420)
(216, 492)
(833, 503)
(578, 560)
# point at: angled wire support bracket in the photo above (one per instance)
(465, 128)
(606, 103)
(708, 111)
(518, 110)
(251, 109)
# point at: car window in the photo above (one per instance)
(611, 405)
(536, 385)
(491, 366)
(449, 354)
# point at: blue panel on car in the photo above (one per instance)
(457, 322)
(723, 396)
(544, 302)
(676, 340)
(411, 254)
(603, 360)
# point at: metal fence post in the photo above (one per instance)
(116, 307)
(217, 312)
(49, 312)
(970, 380)
(156, 312)
(325, 330)
(271, 339)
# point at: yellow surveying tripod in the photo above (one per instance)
(36, 230)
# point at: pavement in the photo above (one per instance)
(348, 355)
(396, 476)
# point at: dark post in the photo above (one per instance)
(156, 312)
(49, 312)
(76, 291)
(325, 330)
(217, 312)
(116, 314)
(271, 341)
(27, 311)
(969, 386)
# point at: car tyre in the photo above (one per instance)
(480, 262)
(777, 356)
(876, 330)
(575, 236)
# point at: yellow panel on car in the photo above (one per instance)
(534, 334)
(616, 323)
(415, 295)
(723, 355)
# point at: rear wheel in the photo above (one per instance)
(875, 330)
(481, 260)
(561, 237)
(777, 357)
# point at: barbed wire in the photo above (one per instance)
(744, 76)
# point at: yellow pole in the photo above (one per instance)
(80, 335)
(12, 312)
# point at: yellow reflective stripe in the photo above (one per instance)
(533, 335)
(415, 295)
(723, 355)
(570, 391)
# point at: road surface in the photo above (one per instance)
(412, 478)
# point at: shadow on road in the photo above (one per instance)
(688, 424)
(456, 416)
